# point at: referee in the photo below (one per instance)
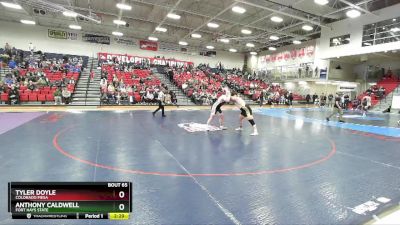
(161, 102)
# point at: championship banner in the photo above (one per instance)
(139, 59)
(125, 41)
(60, 34)
(290, 55)
(148, 45)
(97, 39)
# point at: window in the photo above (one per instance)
(340, 40)
(383, 32)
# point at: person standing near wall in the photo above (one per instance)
(330, 100)
(337, 109)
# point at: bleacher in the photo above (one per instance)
(42, 94)
(389, 82)
(132, 79)
(199, 84)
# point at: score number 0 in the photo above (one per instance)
(121, 194)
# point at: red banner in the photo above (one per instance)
(139, 59)
(148, 45)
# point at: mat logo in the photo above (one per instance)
(197, 127)
(370, 206)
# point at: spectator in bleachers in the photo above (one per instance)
(31, 85)
(12, 64)
(42, 82)
(66, 95)
(72, 80)
(13, 95)
(57, 96)
(7, 49)
(2, 87)
(31, 48)
(149, 97)
(174, 100)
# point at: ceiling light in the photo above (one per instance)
(124, 6)
(250, 45)
(224, 40)
(353, 13)
(161, 29)
(321, 2)
(11, 5)
(120, 22)
(210, 47)
(394, 20)
(253, 53)
(29, 22)
(274, 38)
(245, 31)
(212, 25)
(296, 42)
(183, 43)
(153, 38)
(70, 14)
(196, 35)
(307, 28)
(232, 50)
(75, 27)
(173, 16)
(395, 29)
(116, 33)
(272, 48)
(367, 44)
(238, 9)
(276, 19)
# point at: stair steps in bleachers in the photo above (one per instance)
(87, 92)
(181, 97)
(387, 101)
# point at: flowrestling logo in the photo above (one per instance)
(60, 34)
(197, 127)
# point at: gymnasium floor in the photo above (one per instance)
(300, 170)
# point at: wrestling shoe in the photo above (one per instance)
(327, 119)
(222, 128)
(254, 134)
(239, 128)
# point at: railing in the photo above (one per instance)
(88, 80)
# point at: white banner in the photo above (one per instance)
(285, 58)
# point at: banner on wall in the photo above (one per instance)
(323, 74)
(140, 59)
(60, 34)
(125, 41)
(97, 39)
(294, 56)
(148, 45)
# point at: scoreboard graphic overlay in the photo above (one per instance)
(70, 200)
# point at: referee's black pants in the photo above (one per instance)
(160, 106)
